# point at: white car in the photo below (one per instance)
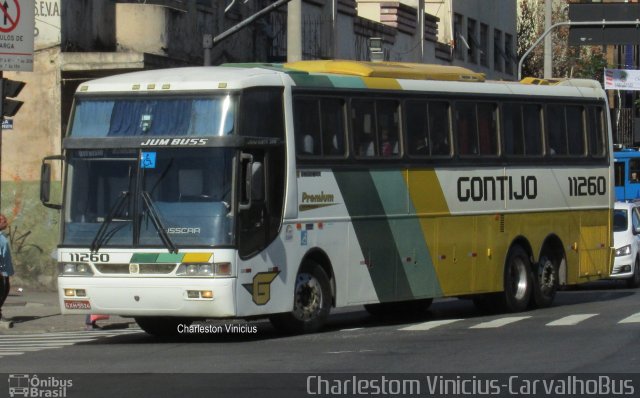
(626, 238)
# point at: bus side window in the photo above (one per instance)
(512, 129)
(306, 126)
(466, 128)
(439, 129)
(332, 118)
(362, 119)
(388, 120)
(575, 130)
(262, 113)
(487, 129)
(596, 132)
(634, 171)
(417, 128)
(557, 130)
(531, 114)
(619, 174)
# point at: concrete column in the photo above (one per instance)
(294, 31)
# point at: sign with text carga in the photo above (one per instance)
(17, 24)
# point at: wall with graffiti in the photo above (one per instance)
(33, 233)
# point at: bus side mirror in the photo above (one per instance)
(253, 177)
(45, 182)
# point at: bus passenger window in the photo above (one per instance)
(439, 129)
(557, 132)
(306, 126)
(388, 121)
(575, 130)
(634, 171)
(362, 121)
(596, 132)
(417, 130)
(467, 133)
(487, 129)
(512, 129)
(332, 118)
(532, 129)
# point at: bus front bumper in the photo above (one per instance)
(184, 297)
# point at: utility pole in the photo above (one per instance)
(548, 50)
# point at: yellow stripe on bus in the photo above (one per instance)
(197, 258)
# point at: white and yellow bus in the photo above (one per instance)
(283, 191)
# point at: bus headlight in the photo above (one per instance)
(623, 251)
(78, 269)
(216, 269)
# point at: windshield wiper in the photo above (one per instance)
(101, 235)
(157, 222)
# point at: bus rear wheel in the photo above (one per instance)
(517, 281)
(161, 326)
(545, 283)
(311, 302)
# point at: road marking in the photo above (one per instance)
(351, 329)
(12, 345)
(635, 318)
(430, 325)
(571, 320)
(496, 323)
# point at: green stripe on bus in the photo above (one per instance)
(347, 82)
(415, 259)
(170, 258)
(144, 257)
(303, 79)
(373, 233)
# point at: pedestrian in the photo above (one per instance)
(6, 270)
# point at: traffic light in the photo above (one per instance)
(10, 89)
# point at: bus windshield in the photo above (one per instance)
(157, 116)
(133, 198)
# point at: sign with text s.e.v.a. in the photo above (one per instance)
(16, 35)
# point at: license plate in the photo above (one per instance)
(77, 305)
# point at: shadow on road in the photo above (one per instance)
(357, 318)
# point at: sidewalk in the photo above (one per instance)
(39, 312)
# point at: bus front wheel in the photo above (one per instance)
(517, 281)
(311, 302)
(162, 326)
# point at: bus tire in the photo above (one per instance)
(517, 281)
(161, 326)
(634, 281)
(545, 282)
(311, 302)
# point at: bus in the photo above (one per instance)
(283, 191)
(627, 174)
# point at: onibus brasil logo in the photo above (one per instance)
(32, 386)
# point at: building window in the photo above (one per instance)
(472, 43)
(509, 57)
(457, 37)
(484, 45)
(497, 50)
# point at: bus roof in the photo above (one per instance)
(336, 74)
(195, 78)
(396, 70)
